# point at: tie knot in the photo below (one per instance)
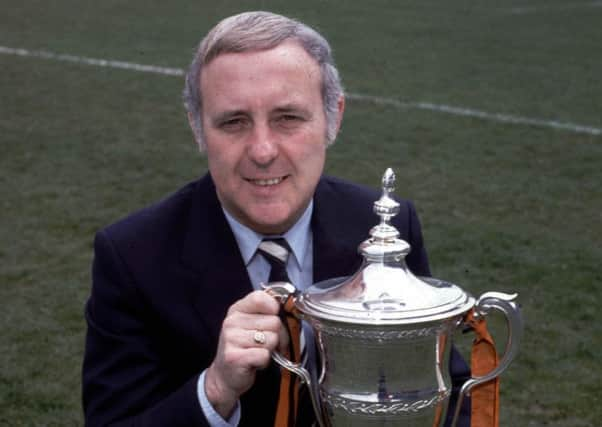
(274, 250)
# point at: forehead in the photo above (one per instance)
(290, 48)
(287, 67)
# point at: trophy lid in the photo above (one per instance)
(384, 291)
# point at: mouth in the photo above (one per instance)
(267, 182)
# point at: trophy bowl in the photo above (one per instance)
(384, 336)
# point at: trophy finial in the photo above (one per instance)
(386, 207)
(384, 241)
(388, 181)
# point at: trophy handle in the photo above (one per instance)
(504, 303)
(282, 291)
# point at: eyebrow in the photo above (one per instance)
(288, 108)
(226, 115)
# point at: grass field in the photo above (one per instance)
(506, 204)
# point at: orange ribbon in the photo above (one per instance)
(288, 400)
(485, 398)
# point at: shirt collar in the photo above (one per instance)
(297, 236)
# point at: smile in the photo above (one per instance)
(267, 182)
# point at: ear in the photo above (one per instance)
(195, 131)
(341, 110)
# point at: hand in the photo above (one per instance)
(239, 355)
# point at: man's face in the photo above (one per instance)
(265, 133)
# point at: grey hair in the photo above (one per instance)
(254, 31)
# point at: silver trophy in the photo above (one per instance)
(384, 336)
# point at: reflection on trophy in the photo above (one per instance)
(384, 336)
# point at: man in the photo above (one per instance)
(172, 317)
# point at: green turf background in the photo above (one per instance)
(504, 206)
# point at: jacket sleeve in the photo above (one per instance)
(124, 380)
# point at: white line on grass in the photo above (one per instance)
(93, 61)
(468, 112)
(441, 108)
(545, 8)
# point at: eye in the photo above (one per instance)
(289, 120)
(234, 124)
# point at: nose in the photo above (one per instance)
(263, 146)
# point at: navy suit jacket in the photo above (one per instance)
(163, 279)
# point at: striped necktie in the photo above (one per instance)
(276, 252)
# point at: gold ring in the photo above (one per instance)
(259, 337)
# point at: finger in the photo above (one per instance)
(260, 338)
(249, 338)
(262, 322)
(233, 370)
(257, 302)
(245, 359)
(255, 357)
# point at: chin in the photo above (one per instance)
(271, 225)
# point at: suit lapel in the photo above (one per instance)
(211, 252)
